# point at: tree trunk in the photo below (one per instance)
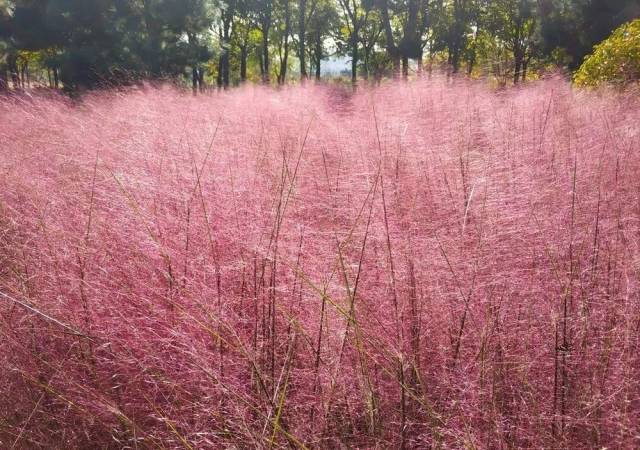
(265, 56)
(12, 62)
(261, 61)
(301, 38)
(470, 64)
(365, 63)
(225, 67)
(354, 56)
(226, 24)
(4, 80)
(266, 24)
(194, 80)
(201, 85)
(318, 55)
(473, 49)
(56, 79)
(287, 30)
(397, 66)
(410, 46)
(392, 50)
(525, 66)
(455, 58)
(518, 67)
(243, 63)
(420, 64)
(457, 37)
(154, 31)
(518, 53)
(23, 71)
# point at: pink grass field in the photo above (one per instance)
(430, 264)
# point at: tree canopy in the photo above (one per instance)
(616, 60)
(79, 43)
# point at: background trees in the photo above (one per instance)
(78, 44)
(615, 60)
(575, 27)
(515, 23)
(111, 41)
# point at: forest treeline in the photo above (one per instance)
(86, 43)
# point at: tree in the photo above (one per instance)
(405, 41)
(24, 31)
(477, 17)
(302, 31)
(168, 22)
(243, 39)
(264, 13)
(616, 60)
(355, 15)
(228, 11)
(5, 35)
(322, 19)
(370, 37)
(284, 23)
(576, 26)
(515, 23)
(86, 44)
(458, 33)
(112, 41)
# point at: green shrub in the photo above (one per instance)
(616, 60)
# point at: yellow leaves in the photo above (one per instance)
(616, 60)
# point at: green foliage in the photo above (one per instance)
(577, 25)
(5, 32)
(112, 41)
(615, 61)
(87, 43)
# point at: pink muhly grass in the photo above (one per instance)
(427, 264)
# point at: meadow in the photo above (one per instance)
(427, 264)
